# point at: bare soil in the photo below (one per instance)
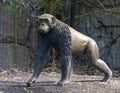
(15, 82)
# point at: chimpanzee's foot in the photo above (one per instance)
(30, 82)
(107, 77)
(63, 82)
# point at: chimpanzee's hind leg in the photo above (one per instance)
(93, 57)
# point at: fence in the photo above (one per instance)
(17, 41)
(15, 46)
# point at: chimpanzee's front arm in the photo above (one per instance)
(40, 56)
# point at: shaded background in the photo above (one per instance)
(99, 19)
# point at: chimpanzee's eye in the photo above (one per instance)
(46, 20)
(41, 20)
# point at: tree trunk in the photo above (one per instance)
(72, 13)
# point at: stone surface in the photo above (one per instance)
(6, 56)
(26, 39)
(103, 27)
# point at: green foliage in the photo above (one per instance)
(13, 5)
(116, 12)
(55, 7)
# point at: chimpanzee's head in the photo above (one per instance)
(45, 23)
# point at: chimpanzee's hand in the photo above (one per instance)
(30, 82)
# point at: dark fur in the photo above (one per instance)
(59, 36)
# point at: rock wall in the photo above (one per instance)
(23, 56)
(104, 28)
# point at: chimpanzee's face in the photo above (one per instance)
(45, 23)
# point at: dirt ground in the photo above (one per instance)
(15, 82)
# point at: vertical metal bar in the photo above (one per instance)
(15, 38)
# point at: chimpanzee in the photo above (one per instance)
(66, 41)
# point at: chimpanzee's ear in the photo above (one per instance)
(53, 20)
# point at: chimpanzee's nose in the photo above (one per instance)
(42, 24)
